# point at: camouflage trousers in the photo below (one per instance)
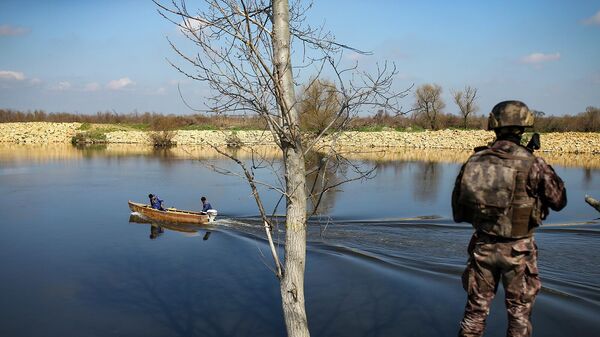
(491, 259)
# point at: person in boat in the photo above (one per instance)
(205, 204)
(156, 202)
(505, 192)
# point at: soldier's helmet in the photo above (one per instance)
(510, 113)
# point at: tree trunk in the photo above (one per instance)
(432, 121)
(292, 283)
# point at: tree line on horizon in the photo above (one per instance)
(318, 104)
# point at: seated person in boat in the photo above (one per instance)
(205, 204)
(156, 202)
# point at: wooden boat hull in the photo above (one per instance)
(171, 214)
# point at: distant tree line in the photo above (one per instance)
(146, 120)
(318, 103)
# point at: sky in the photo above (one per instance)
(111, 55)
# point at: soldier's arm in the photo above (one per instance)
(547, 185)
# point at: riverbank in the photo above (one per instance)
(48, 133)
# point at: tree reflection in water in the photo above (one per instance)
(319, 177)
(427, 180)
(325, 176)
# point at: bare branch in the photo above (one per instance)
(243, 52)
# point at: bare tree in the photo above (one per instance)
(245, 58)
(429, 103)
(465, 100)
(591, 119)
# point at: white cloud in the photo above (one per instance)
(92, 86)
(119, 84)
(161, 91)
(593, 20)
(35, 81)
(62, 86)
(539, 58)
(11, 75)
(7, 30)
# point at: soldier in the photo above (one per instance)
(504, 191)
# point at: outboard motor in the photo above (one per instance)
(212, 214)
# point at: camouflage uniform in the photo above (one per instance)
(499, 252)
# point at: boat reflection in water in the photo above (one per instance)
(157, 227)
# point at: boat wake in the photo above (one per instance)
(436, 247)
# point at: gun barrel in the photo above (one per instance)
(534, 142)
(593, 202)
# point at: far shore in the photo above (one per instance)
(466, 140)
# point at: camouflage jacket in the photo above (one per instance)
(542, 182)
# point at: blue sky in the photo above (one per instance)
(89, 56)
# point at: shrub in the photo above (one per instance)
(233, 141)
(163, 139)
(85, 126)
(89, 137)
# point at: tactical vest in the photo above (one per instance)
(493, 195)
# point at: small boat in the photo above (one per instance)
(173, 214)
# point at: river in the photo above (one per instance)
(384, 256)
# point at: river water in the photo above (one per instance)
(384, 256)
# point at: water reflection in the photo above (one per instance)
(588, 175)
(321, 175)
(89, 149)
(49, 152)
(155, 231)
(186, 292)
(420, 181)
(427, 180)
(397, 154)
(157, 228)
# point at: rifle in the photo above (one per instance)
(534, 142)
(592, 202)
